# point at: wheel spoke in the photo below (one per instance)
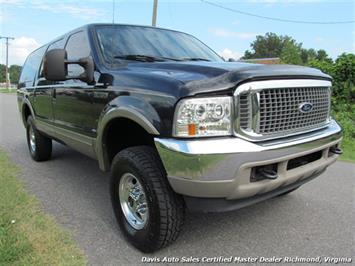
(133, 201)
(32, 139)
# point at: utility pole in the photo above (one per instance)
(154, 18)
(113, 11)
(7, 76)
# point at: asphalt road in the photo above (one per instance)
(316, 220)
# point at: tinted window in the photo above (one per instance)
(77, 47)
(55, 45)
(31, 66)
(131, 40)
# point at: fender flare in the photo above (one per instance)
(26, 102)
(109, 116)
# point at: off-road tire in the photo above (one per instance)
(43, 144)
(166, 208)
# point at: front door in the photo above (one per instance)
(72, 102)
(45, 90)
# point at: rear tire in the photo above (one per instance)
(40, 146)
(165, 211)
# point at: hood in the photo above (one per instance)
(205, 77)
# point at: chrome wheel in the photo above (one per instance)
(32, 139)
(133, 201)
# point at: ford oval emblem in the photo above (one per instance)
(305, 107)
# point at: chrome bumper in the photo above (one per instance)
(221, 168)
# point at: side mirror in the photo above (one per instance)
(55, 67)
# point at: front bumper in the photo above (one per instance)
(221, 168)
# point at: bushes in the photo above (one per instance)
(343, 96)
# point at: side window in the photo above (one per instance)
(77, 47)
(59, 44)
(31, 66)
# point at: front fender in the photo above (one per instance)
(137, 110)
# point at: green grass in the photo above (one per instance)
(4, 90)
(344, 114)
(27, 235)
(348, 146)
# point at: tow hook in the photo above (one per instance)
(336, 150)
(267, 173)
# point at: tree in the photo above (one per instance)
(323, 56)
(270, 45)
(324, 66)
(286, 48)
(14, 71)
(344, 68)
(291, 54)
(2, 73)
(308, 55)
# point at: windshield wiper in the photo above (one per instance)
(139, 57)
(150, 58)
(193, 59)
(145, 58)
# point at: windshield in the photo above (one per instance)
(119, 42)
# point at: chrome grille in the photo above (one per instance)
(280, 109)
(271, 109)
(244, 110)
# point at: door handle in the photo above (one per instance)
(54, 95)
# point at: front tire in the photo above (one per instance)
(40, 146)
(148, 211)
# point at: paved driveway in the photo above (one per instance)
(316, 220)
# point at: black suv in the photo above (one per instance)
(175, 124)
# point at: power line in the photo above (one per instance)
(276, 19)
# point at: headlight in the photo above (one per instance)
(203, 117)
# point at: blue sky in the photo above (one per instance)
(36, 22)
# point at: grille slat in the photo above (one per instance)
(244, 109)
(279, 110)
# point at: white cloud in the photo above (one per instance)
(227, 53)
(19, 49)
(3, 17)
(219, 32)
(72, 8)
(283, 1)
(11, 2)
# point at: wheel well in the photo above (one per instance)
(26, 113)
(122, 133)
